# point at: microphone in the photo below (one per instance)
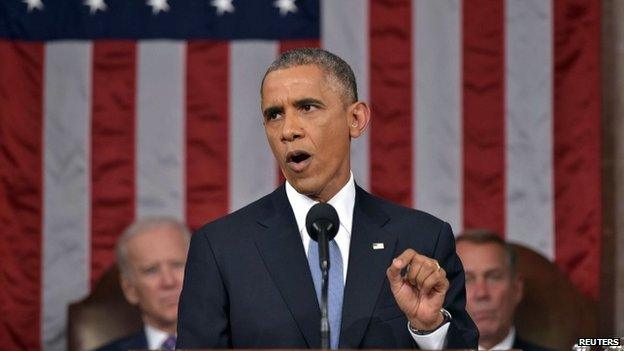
(322, 223)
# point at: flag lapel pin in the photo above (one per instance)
(378, 246)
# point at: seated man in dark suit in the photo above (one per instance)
(395, 280)
(151, 254)
(493, 288)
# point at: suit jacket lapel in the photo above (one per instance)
(282, 250)
(138, 340)
(367, 268)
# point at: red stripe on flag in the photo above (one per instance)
(287, 45)
(483, 110)
(577, 140)
(207, 130)
(391, 96)
(21, 194)
(112, 149)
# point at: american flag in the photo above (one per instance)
(486, 113)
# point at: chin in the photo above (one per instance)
(169, 318)
(488, 330)
(302, 186)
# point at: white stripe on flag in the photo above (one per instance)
(529, 126)
(437, 109)
(253, 170)
(160, 128)
(344, 32)
(66, 216)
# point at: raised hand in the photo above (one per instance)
(420, 291)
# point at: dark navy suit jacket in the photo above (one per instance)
(248, 284)
(137, 341)
(524, 345)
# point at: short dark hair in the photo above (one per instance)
(487, 236)
(331, 64)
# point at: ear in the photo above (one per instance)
(359, 117)
(129, 289)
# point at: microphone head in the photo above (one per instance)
(322, 216)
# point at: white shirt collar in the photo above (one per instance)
(506, 343)
(155, 337)
(343, 202)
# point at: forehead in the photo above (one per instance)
(155, 243)
(477, 256)
(297, 80)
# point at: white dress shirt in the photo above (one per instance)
(155, 337)
(343, 202)
(506, 344)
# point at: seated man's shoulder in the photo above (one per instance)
(133, 341)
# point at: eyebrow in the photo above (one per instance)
(308, 101)
(486, 272)
(298, 104)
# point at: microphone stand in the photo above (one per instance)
(323, 247)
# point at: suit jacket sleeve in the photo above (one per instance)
(203, 311)
(462, 332)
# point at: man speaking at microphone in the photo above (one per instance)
(251, 278)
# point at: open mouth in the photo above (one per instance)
(297, 160)
(298, 156)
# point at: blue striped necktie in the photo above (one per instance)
(169, 343)
(335, 290)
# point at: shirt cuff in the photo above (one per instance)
(435, 340)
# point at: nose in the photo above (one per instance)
(168, 277)
(291, 128)
(480, 289)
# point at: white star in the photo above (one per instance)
(95, 5)
(34, 4)
(285, 6)
(158, 5)
(223, 6)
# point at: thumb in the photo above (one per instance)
(394, 273)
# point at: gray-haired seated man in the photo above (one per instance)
(151, 254)
(493, 289)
